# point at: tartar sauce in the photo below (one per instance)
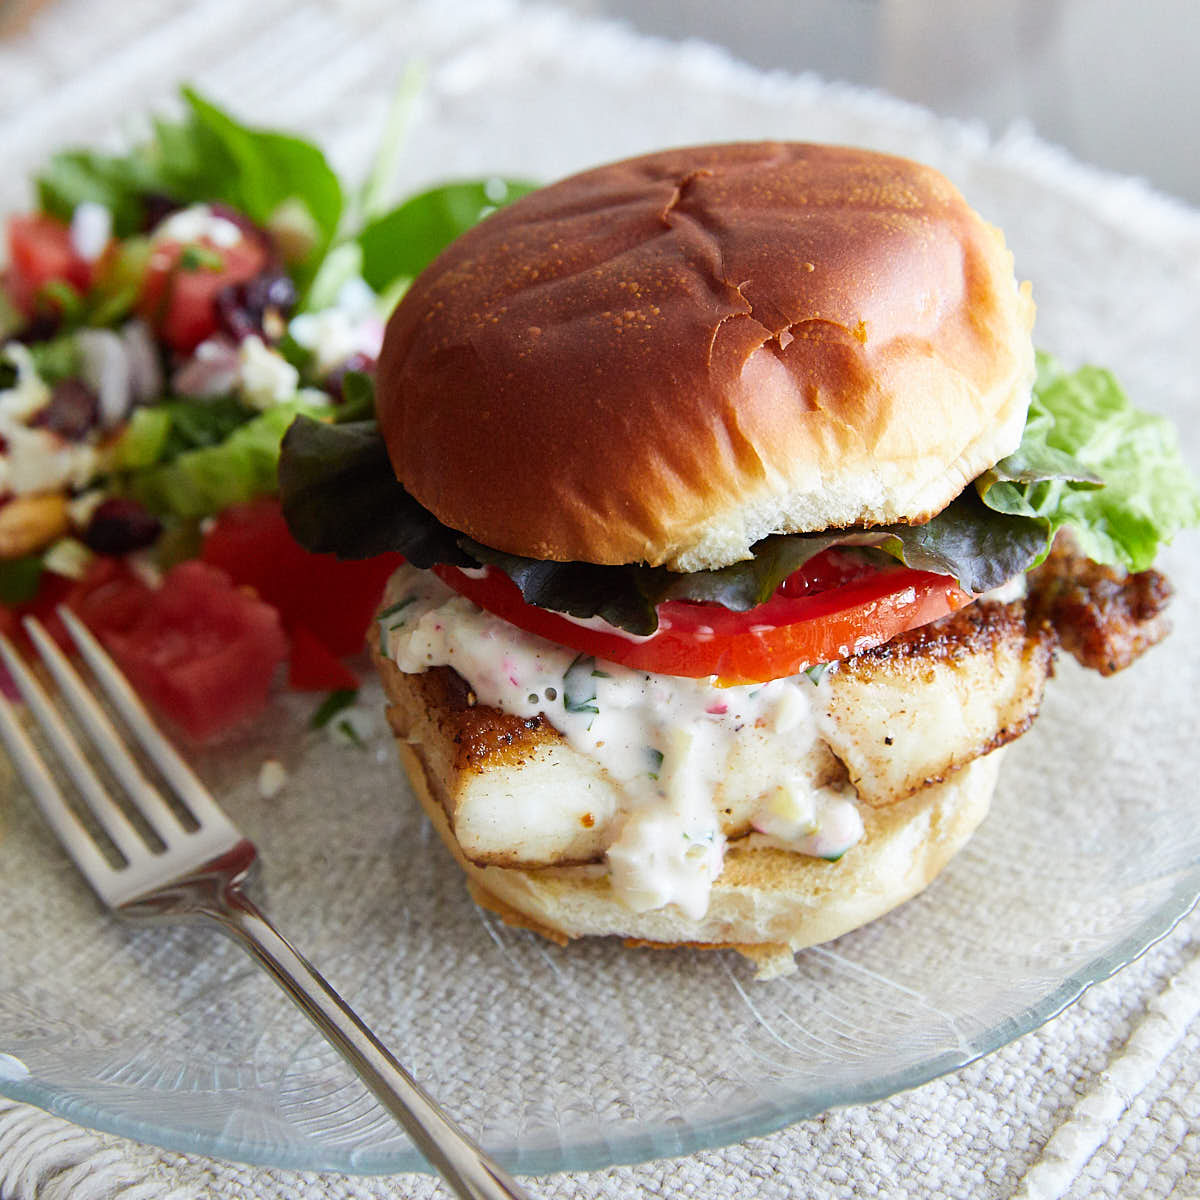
(667, 743)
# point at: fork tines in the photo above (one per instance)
(144, 866)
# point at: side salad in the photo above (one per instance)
(165, 315)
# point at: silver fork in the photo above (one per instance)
(199, 875)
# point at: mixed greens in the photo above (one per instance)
(166, 314)
(1088, 460)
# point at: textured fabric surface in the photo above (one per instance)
(1104, 1100)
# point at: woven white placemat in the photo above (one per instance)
(1102, 1101)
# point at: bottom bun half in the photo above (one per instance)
(767, 903)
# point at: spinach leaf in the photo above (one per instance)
(208, 156)
(118, 181)
(20, 578)
(256, 171)
(401, 243)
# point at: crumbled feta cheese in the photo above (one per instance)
(91, 230)
(40, 461)
(356, 298)
(333, 335)
(272, 775)
(266, 377)
(199, 223)
(30, 393)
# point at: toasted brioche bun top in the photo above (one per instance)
(666, 359)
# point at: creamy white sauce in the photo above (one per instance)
(665, 742)
(1015, 589)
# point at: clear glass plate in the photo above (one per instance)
(582, 1057)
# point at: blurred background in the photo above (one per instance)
(1114, 81)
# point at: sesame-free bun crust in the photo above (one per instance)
(668, 358)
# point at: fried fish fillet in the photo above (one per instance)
(894, 719)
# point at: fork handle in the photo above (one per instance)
(463, 1164)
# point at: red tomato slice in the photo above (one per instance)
(200, 650)
(827, 610)
(312, 668)
(334, 600)
(40, 252)
(179, 301)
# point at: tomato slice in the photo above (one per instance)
(835, 606)
(40, 252)
(179, 298)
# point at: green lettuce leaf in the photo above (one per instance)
(980, 547)
(1091, 461)
(578, 589)
(202, 481)
(211, 156)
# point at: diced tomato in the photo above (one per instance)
(822, 613)
(179, 298)
(312, 668)
(200, 650)
(333, 600)
(108, 596)
(104, 576)
(40, 252)
(109, 599)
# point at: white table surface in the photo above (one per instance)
(1104, 1100)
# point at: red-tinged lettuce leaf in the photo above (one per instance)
(577, 589)
(340, 496)
(981, 548)
(1081, 430)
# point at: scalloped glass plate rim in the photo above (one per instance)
(778, 1108)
